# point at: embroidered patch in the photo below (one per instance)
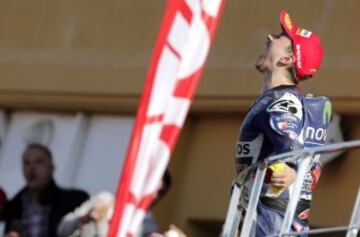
(286, 115)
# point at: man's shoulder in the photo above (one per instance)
(286, 111)
(17, 197)
(318, 110)
(277, 101)
(282, 93)
(285, 100)
(261, 103)
(317, 99)
(319, 104)
(13, 207)
(68, 199)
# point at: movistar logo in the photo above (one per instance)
(327, 112)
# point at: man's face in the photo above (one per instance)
(37, 168)
(277, 46)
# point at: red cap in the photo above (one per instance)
(307, 48)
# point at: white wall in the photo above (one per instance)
(88, 150)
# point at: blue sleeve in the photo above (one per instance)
(282, 122)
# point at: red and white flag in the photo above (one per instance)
(182, 46)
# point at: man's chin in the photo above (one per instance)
(260, 64)
(36, 186)
(260, 67)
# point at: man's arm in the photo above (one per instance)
(283, 128)
(74, 220)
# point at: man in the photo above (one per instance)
(92, 217)
(39, 207)
(283, 120)
(149, 226)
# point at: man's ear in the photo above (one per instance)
(286, 60)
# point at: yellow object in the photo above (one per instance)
(275, 192)
(277, 167)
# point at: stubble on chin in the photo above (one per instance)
(260, 64)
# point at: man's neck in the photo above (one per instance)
(274, 79)
(35, 195)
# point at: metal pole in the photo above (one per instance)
(325, 149)
(355, 218)
(304, 165)
(288, 156)
(233, 216)
(254, 199)
(316, 231)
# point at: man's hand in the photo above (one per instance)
(99, 210)
(284, 178)
(85, 219)
(97, 213)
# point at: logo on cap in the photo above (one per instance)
(298, 55)
(287, 21)
(304, 33)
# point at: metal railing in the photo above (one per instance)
(304, 159)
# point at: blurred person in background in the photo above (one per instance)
(37, 209)
(92, 217)
(149, 225)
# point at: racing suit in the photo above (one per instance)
(282, 120)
